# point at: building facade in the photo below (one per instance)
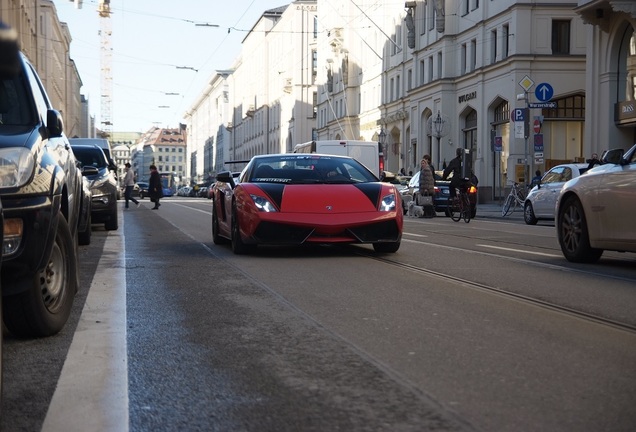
(45, 41)
(165, 148)
(265, 103)
(610, 120)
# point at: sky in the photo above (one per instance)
(161, 59)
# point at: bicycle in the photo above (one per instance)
(515, 198)
(460, 208)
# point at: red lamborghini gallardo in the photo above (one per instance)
(292, 199)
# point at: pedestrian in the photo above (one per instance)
(426, 189)
(129, 184)
(536, 179)
(427, 157)
(454, 167)
(155, 188)
(594, 161)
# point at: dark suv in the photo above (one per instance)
(41, 192)
(103, 185)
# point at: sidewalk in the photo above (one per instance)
(492, 210)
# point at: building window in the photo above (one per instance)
(392, 90)
(473, 55)
(314, 66)
(493, 46)
(570, 108)
(502, 113)
(561, 37)
(505, 45)
(398, 87)
(409, 80)
(440, 65)
(422, 72)
(463, 60)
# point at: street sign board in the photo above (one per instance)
(526, 83)
(538, 142)
(542, 105)
(544, 92)
(498, 144)
(518, 115)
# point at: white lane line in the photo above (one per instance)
(414, 235)
(92, 391)
(519, 250)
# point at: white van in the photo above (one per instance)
(368, 153)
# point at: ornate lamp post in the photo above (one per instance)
(382, 141)
(438, 130)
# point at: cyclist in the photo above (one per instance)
(455, 167)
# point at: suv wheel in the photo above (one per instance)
(112, 224)
(43, 309)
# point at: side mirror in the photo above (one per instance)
(225, 177)
(614, 156)
(54, 123)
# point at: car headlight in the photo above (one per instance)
(263, 204)
(16, 167)
(388, 203)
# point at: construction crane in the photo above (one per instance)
(105, 32)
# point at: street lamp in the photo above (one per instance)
(438, 130)
(382, 140)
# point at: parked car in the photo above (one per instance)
(143, 189)
(441, 196)
(103, 184)
(541, 199)
(41, 191)
(593, 211)
(295, 199)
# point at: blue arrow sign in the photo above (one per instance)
(544, 92)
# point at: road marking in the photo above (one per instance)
(415, 235)
(92, 391)
(519, 250)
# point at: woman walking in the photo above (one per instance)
(155, 188)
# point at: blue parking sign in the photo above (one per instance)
(518, 115)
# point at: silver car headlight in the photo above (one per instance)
(16, 167)
(388, 203)
(263, 204)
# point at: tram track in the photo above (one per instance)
(590, 317)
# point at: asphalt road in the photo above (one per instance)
(174, 333)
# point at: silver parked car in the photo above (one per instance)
(540, 202)
(594, 211)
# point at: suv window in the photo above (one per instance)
(15, 106)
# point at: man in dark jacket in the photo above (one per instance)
(455, 167)
(155, 188)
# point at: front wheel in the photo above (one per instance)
(44, 308)
(238, 246)
(505, 210)
(573, 235)
(389, 247)
(528, 214)
(466, 208)
(454, 209)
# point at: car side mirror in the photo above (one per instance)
(225, 177)
(54, 123)
(614, 156)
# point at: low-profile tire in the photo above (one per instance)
(528, 214)
(238, 246)
(573, 234)
(216, 237)
(386, 247)
(473, 212)
(44, 308)
(84, 237)
(112, 223)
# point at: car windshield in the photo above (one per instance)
(309, 169)
(90, 156)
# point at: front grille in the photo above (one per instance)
(381, 231)
(276, 233)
